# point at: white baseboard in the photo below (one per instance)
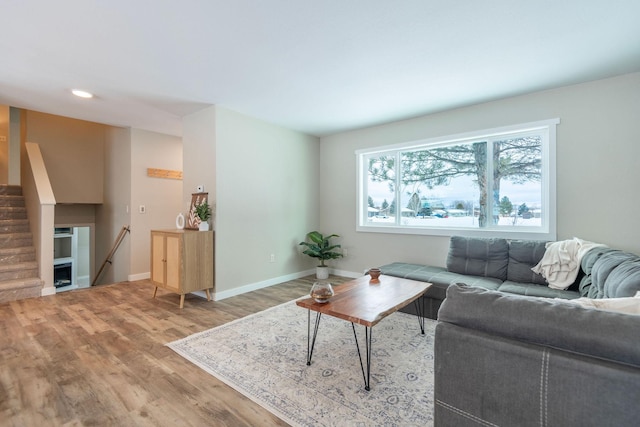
(83, 281)
(139, 276)
(345, 273)
(217, 296)
(48, 290)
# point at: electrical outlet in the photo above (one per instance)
(142, 209)
(272, 258)
(345, 252)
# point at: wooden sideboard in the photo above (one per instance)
(182, 261)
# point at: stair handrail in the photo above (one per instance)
(109, 260)
(40, 203)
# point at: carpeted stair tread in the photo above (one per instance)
(14, 226)
(18, 270)
(11, 200)
(13, 212)
(13, 240)
(18, 266)
(13, 290)
(14, 190)
(20, 283)
(17, 250)
(17, 255)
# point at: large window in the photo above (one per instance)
(498, 182)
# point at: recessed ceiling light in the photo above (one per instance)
(82, 93)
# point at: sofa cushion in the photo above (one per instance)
(533, 290)
(523, 256)
(587, 263)
(615, 274)
(478, 257)
(624, 280)
(438, 276)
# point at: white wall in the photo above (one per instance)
(84, 275)
(598, 147)
(266, 194)
(161, 197)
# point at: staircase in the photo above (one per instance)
(19, 276)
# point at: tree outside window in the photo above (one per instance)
(472, 183)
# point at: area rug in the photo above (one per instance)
(264, 355)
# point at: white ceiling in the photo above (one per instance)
(316, 66)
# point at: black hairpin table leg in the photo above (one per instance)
(368, 333)
(311, 342)
(420, 311)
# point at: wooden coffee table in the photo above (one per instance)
(366, 303)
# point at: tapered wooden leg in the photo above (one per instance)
(208, 294)
(181, 300)
(155, 291)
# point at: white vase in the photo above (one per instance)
(322, 272)
(180, 221)
(204, 226)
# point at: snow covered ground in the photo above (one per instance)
(457, 221)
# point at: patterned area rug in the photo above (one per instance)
(263, 356)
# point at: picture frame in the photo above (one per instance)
(193, 221)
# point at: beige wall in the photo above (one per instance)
(266, 194)
(73, 152)
(199, 151)
(161, 197)
(4, 145)
(98, 174)
(114, 213)
(598, 144)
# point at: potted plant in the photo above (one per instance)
(319, 246)
(203, 210)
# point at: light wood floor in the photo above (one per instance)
(97, 357)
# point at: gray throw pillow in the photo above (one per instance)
(523, 255)
(478, 256)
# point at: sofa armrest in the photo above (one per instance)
(546, 322)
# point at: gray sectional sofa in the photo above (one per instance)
(505, 266)
(510, 360)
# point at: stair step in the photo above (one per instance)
(13, 212)
(13, 290)
(17, 255)
(11, 200)
(14, 225)
(15, 240)
(21, 270)
(14, 190)
(18, 266)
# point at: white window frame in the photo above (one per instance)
(547, 229)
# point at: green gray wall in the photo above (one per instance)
(598, 147)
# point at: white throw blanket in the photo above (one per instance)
(561, 261)
(628, 305)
